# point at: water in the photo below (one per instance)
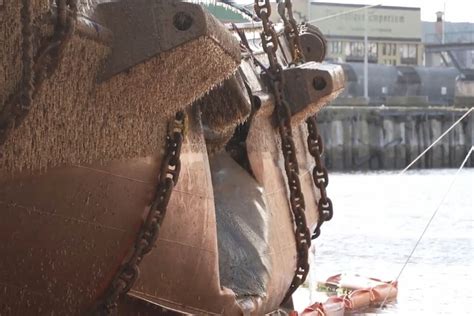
(378, 218)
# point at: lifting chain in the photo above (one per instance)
(36, 69)
(320, 175)
(168, 178)
(315, 142)
(291, 30)
(283, 114)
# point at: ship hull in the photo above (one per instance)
(65, 232)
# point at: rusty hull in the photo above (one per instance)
(142, 30)
(66, 230)
(183, 273)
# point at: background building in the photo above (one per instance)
(394, 33)
(449, 33)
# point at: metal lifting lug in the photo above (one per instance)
(143, 29)
(312, 85)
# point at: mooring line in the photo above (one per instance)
(436, 141)
(429, 221)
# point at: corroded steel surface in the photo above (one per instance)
(67, 229)
(69, 225)
(183, 272)
(170, 170)
(145, 28)
(311, 86)
(313, 43)
(267, 164)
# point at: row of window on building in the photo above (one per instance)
(385, 53)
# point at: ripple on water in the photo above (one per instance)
(378, 218)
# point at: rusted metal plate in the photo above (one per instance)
(268, 167)
(66, 230)
(145, 28)
(310, 86)
(182, 272)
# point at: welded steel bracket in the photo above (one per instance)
(145, 28)
(312, 85)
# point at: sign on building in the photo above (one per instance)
(401, 23)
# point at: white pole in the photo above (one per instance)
(366, 59)
(442, 24)
(308, 15)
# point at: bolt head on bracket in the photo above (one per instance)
(143, 29)
(310, 86)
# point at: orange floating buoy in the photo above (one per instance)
(356, 292)
(334, 306)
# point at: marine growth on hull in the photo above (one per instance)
(150, 156)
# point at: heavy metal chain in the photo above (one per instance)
(36, 69)
(320, 175)
(315, 142)
(291, 30)
(168, 178)
(283, 114)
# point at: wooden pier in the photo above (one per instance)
(389, 138)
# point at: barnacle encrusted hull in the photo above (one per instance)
(66, 231)
(74, 119)
(78, 174)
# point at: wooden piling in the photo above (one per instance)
(375, 138)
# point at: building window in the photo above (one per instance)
(408, 50)
(408, 54)
(355, 49)
(335, 47)
(412, 51)
(372, 50)
(389, 49)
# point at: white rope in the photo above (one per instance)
(436, 141)
(429, 222)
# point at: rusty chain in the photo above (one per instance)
(315, 142)
(36, 70)
(283, 114)
(291, 30)
(320, 175)
(168, 178)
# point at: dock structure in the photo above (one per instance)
(388, 138)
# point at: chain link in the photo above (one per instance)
(36, 70)
(320, 175)
(291, 30)
(315, 142)
(168, 178)
(283, 114)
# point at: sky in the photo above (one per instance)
(456, 10)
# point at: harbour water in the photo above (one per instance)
(377, 221)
